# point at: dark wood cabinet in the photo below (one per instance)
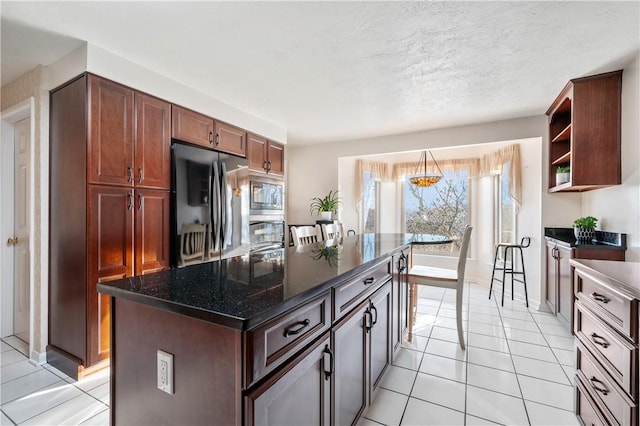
(265, 155)
(151, 231)
(584, 133)
(111, 215)
(399, 298)
(230, 139)
(111, 132)
(109, 145)
(362, 349)
(298, 394)
(190, 126)
(152, 167)
(559, 289)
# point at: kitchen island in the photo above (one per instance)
(295, 333)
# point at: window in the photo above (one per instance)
(506, 209)
(443, 209)
(369, 211)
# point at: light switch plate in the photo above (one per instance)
(165, 372)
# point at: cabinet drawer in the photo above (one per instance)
(609, 397)
(586, 408)
(618, 311)
(618, 356)
(350, 293)
(274, 342)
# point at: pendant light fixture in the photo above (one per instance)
(421, 177)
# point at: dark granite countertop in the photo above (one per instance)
(243, 292)
(603, 239)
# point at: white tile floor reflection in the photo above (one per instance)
(31, 395)
(517, 370)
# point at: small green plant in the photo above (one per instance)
(330, 254)
(563, 169)
(329, 203)
(588, 222)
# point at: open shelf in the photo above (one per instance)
(565, 158)
(564, 135)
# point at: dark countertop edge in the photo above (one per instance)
(566, 238)
(238, 323)
(613, 283)
(573, 244)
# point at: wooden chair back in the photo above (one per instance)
(303, 235)
(192, 242)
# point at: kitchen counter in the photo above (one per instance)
(603, 239)
(243, 292)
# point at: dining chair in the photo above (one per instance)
(332, 231)
(444, 278)
(192, 242)
(303, 235)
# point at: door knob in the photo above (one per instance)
(12, 241)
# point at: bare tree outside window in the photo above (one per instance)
(441, 209)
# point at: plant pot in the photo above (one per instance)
(584, 235)
(325, 215)
(562, 178)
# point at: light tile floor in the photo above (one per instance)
(517, 370)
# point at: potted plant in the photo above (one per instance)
(325, 206)
(584, 228)
(563, 174)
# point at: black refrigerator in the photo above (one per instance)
(210, 205)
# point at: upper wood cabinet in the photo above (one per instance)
(265, 155)
(152, 143)
(129, 137)
(110, 137)
(190, 126)
(230, 139)
(584, 133)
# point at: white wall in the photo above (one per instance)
(618, 207)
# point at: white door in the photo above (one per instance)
(20, 240)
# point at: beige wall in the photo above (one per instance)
(33, 84)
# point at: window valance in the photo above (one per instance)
(493, 163)
(471, 165)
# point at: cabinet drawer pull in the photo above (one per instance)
(217, 139)
(264, 165)
(368, 320)
(210, 137)
(599, 340)
(293, 331)
(327, 374)
(600, 297)
(129, 201)
(140, 176)
(139, 201)
(130, 172)
(369, 280)
(374, 310)
(603, 390)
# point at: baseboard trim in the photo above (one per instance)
(38, 358)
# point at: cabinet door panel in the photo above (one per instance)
(298, 394)
(189, 126)
(565, 288)
(110, 258)
(380, 334)
(110, 136)
(275, 158)
(152, 231)
(230, 139)
(153, 142)
(350, 379)
(552, 274)
(256, 152)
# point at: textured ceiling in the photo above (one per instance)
(342, 70)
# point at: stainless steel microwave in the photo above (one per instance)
(266, 196)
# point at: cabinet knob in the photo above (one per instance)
(13, 241)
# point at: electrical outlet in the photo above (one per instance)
(165, 372)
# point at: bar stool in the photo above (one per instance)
(510, 249)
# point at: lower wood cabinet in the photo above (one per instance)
(362, 350)
(559, 289)
(299, 393)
